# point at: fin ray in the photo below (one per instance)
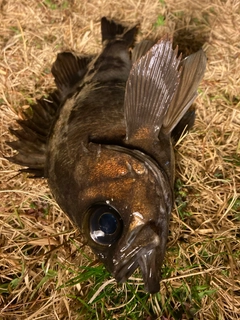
(193, 68)
(68, 70)
(33, 135)
(141, 49)
(110, 29)
(150, 88)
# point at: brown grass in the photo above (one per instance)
(35, 235)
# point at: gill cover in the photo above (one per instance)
(127, 203)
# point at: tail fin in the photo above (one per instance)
(110, 30)
(113, 63)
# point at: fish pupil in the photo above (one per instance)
(108, 223)
(105, 224)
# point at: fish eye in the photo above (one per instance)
(105, 224)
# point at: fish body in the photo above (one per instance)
(108, 147)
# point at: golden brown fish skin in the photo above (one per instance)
(81, 121)
(94, 174)
(108, 151)
(95, 111)
(110, 174)
(89, 160)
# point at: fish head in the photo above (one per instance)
(126, 202)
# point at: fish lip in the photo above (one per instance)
(150, 270)
(148, 258)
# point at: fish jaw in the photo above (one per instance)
(143, 248)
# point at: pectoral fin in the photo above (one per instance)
(193, 68)
(150, 88)
(141, 49)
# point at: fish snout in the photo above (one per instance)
(141, 249)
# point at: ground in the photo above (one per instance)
(45, 270)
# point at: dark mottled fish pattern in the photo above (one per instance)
(104, 141)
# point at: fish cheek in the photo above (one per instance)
(112, 181)
(103, 220)
(130, 202)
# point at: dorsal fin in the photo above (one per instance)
(33, 135)
(68, 71)
(150, 88)
(110, 29)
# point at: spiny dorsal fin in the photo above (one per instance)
(149, 91)
(68, 70)
(192, 71)
(33, 135)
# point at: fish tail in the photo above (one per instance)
(110, 30)
(33, 134)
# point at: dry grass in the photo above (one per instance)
(39, 248)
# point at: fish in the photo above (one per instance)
(104, 140)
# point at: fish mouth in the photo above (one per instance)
(148, 257)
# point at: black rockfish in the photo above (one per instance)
(104, 141)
